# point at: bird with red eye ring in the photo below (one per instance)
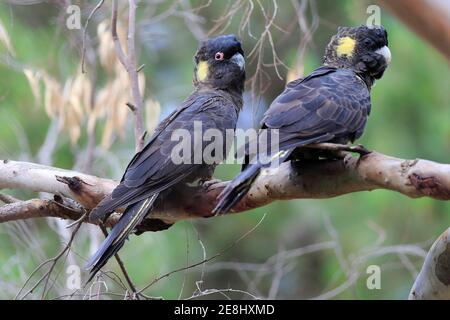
(219, 56)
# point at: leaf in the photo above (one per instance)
(33, 78)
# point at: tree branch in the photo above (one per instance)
(429, 19)
(85, 189)
(39, 208)
(433, 281)
(312, 180)
(118, 47)
(129, 62)
(133, 74)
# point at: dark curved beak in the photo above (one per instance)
(239, 60)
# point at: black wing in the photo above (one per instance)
(152, 169)
(328, 104)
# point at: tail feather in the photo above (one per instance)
(124, 195)
(240, 185)
(103, 210)
(132, 216)
(237, 189)
(107, 206)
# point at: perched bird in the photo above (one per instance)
(329, 105)
(219, 77)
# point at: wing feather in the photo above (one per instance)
(152, 170)
(332, 102)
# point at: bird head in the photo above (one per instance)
(220, 64)
(364, 49)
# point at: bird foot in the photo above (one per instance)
(335, 147)
(360, 149)
(206, 184)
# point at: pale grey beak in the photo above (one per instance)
(238, 59)
(386, 53)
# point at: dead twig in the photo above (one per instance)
(83, 52)
(52, 261)
(202, 262)
(123, 269)
(129, 63)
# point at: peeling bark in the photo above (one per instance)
(299, 180)
(39, 178)
(433, 281)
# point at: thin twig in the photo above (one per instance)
(118, 47)
(204, 260)
(221, 291)
(122, 268)
(46, 276)
(142, 66)
(133, 74)
(83, 53)
(131, 106)
(47, 149)
(6, 198)
(129, 63)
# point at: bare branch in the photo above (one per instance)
(130, 64)
(433, 281)
(46, 277)
(205, 260)
(45, 153)
(36, 208)
(133, 73)
(312, 180)
(85, 189)
(429, 19)
(83, 53)
(6, 198)
(122, 268)
(117, 45)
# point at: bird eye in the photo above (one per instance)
(368, 42)
(219, 56)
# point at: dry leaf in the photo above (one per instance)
(53, 99)
(106, 49)
(33, 78)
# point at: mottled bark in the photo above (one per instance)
(303, 180)
(433, 281)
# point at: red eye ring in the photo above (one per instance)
(219, 56)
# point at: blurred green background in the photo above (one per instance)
(301, 249)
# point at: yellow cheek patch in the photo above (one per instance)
(346, 46)
(202, 70)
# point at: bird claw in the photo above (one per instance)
(206, 184)
(339, 149)
(360, 149)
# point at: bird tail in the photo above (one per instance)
(120, 197)
(132, 216)
(102, 211)
(240, 185)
